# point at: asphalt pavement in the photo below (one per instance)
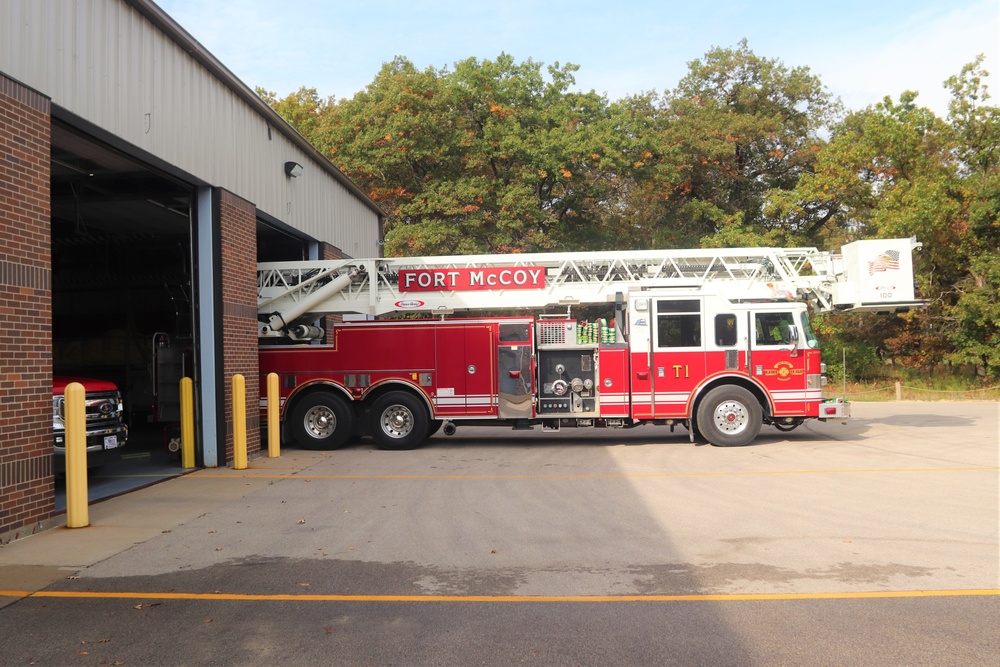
(870, 543)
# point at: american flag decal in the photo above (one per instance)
(884, 261)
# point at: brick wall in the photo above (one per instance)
(26, 484)
(238, 224)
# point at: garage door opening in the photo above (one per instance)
(122, 291)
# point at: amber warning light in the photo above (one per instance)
(458, 279)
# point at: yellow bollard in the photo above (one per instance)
(239, 422)
(187, 423)
(273, 423)
(77, 510)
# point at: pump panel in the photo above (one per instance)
(567, 379)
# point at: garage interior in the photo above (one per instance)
(123, 281)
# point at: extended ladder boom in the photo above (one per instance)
(290, 291)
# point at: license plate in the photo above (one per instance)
(111, 442)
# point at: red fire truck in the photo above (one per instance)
(716, 341)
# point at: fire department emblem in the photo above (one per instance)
(783, 371)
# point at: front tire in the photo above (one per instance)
(398, 421)
(729, 416)
(321, 421)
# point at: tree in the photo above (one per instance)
(393, 139)
(896, 170)
(737, 131)
(885, 173)
(976, 313)
(304, 110)
(491, 157)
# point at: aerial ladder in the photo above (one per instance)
(291, 293)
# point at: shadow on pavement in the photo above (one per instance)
(144, 461)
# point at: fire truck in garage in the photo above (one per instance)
(716, 341)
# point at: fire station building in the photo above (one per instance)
(140, 183)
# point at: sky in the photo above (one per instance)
(862, 51)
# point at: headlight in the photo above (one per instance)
(58, 409)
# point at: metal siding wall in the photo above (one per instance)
(103, 61)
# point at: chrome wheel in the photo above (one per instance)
(731, 417)
(319, 422)
(397, 421)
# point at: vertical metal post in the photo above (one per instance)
(239, 422)
(844, 368)
(273, 424)
(187, 423)
(211, 381)
(77, 511)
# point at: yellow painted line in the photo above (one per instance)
(248, 597)
(595, 476)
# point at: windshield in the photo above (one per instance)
(808, 335)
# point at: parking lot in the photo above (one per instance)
(870, 543)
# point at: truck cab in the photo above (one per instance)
(106, 430)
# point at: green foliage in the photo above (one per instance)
(492, 157)
(976, 331)
(748, 129)
(854, 342)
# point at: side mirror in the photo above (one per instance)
(792, 335)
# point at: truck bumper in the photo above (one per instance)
(835, 408)
(103, 445)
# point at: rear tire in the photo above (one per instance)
(398, 421)
(321, 421)
(729, 416)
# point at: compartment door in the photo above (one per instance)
(466, 370)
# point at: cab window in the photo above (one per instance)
(678, 323)
(725, 330)
(773, 328)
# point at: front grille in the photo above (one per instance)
(102, 407)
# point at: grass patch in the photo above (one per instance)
(933, 385)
